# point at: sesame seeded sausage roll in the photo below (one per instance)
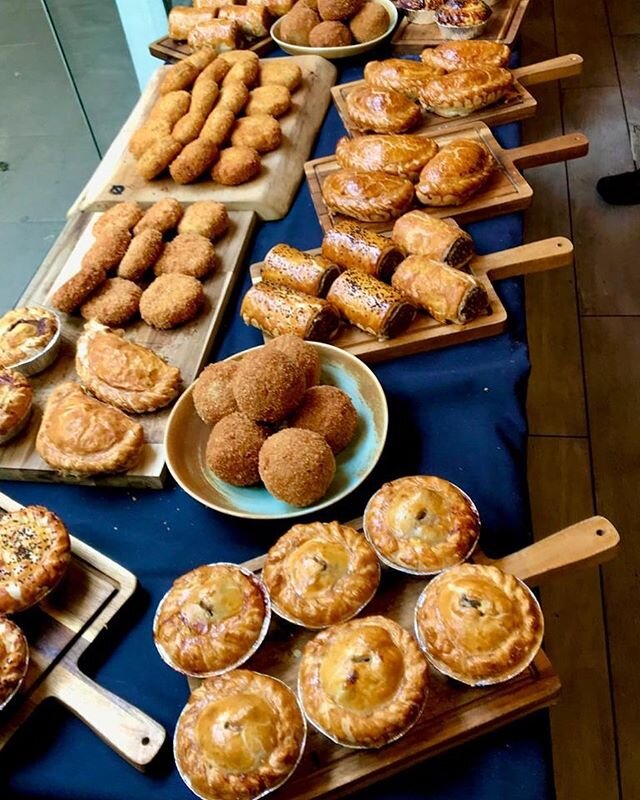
(288, 266)
(443, 240)
(354, 247)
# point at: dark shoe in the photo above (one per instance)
(620, 190)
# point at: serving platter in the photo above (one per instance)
(270, 195)
(59, 630)
(517, 104)
(186, 347)
(171, 50)
(506, 191)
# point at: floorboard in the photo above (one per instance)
(585, 30)
(624, 16)
(627, 50)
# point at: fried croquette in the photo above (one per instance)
(234, 56)
(330, 34)
(370, 22)
(268, 385)
(338, 9)
(171, 300)
(142, 253)
(201, 57)
(157, 157)
(245, 72)
(75, 291)
(213, 392)
(215, 71)
(162, 216)
(196, 157)
(233, 449)
(236, 165)
(206, 217)
(124, 215)
(297, 466)
(261, 132)
(280, 73)
(178, 76)
(188, 128)
(234, 96)
(114, 303)
(302, 354)
(204, 96)
(298, 24)
(171, 107)
(272, 100)
(150, 132)
(218, 125)
(108, 249)
(328, 411)
(187, 254)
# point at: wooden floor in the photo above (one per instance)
(584, 394)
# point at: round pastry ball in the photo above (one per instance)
(171, 300)
(297, 466)
(297, 25)
(338, 9)
(328, 411)
(370, 22)
(233, 449)
(268, 385)
(330, 34)
(213, 393)
(303, 354)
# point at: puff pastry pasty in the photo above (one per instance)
(400, 74)
(16, 399)
(82, 436)
(14, 659)
(367, 196)
(122, 373)
(354, 247)
(455, 174)
(363, 683)
(464, 91)
(478, 624)
(396, 154)
(441, 239)
(382, 110)
(450, 56)
(240, 736)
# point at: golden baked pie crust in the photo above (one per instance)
(382, 110)
(454, 55)
(462, 92)
(14, 659)
(401, 75)
(16, 397)
(459, 170)
(25, 332)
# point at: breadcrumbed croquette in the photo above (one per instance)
(218, 125)
(114, 303)
(234, 56)
(272, 100)
(149, 133)
(268, 385)
(178, 76)
(157, 157)
(206, 217)
(108, 249)
(260, 132)
(171, 300)
(75, 291)
(330, 34)
(187, 254)
(202, 57)
(212, 394)
(124, 215)
(215, 71)
(236, 165)
(296, 26)
(328, 411)
(302, 354)
(171, 107)
(188, 128)
(338, 9)
(204, 96)
(297, 466)
(370, 22)
(195, 159)
(233, 449)
(243, 71)
(162, 216)
(280, 73)
(233, 96)
(142, 253)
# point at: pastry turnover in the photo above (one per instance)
(240, 736)
(464, 91)
(354, 247)
(25, 332)
(478, 624)
(14, 659)
(34, 555)
(440, 239)
(363, 683)
(367, 196)
(381, 110)
(80, 435)
(421, 524)
(450, 56)
(455, 174)
(320, 574)
(403, 155)
(123, 373)
(16, 399)
(400, 74)
(211, 620)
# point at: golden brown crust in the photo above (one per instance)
(280, 73)
(403, 155)
(114, 303)
(244, 72)
(462, 92)
(170, 107)
(303, 272)
(142, 253)
(443, 240)
(205, 217)
(213, 392)
(74, 291)
(252, 20)
(107, 250)
(16, 399)
(187, 129)
(305, 356)
(163, 216)
(236, 165)
(25, 332)
(261, 132)
(338, 9)
(268, 385)
(183, 19)
(329, 411)
(204, 94)
(370, 22)
(233, 448)
(273, 100)
(218, 34)
(382, 110)
(462, 13)
(125, 215)
(367, 196)
(330, 34)
(234, 56)
(14, 659)
(451, 56)
(187, 254)
(157, 157)
(400, 74)
(296, 26)
(171, 300)
(354, 247)
(455, 174)
(218, 125)
(178, 76)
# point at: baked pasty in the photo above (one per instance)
(80, 435)
(211, 620)
(478, 624)
(34, 555)
(24, 333)
(363, 683)
(396, 154)
(421, 524)
(16, 400)
(401, 74)
(354, 247)
(464, 91)
(382, 110)
(455, 174)
(367, 196)
(441, 239)
(320, 574)
(450, 56)
(14, 659)
(123, 373)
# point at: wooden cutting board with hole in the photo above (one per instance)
(171, 50)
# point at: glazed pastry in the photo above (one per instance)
(400, 74)
(252, 20)
(240, 736)
(182, 19)
(354, 247)
(370, 304)
(403, 155)
(122, 373)
(24, 333)
(421, 524)
(304, 272)
(462, 92)
(34, 554)
(276, 310)
(320, 574)
(82, 436)
(420, 12)
(219, 34)
(442, 240)
(478, 624)
(455, 174)
(462, 19)
(367, 196)
(211, 620)
(381, 110)
(16, 400)
(450, 56)
(363, 683)
(14, 659)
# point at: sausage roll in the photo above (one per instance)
(218, 34)
(382, 110)
(367, 196)
(448, 294)
(460, 93)
(276, 310)
(182, 19)
(370, 304)
(456, 173)
(253, 20)
(400, 74)
(450, 56)
(304, 272)
(354, 247)
(397, 154)
(443, 240)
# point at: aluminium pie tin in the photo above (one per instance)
(40, 361)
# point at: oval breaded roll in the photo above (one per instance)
(443, 240)
(400, 74)
(304, 272)
(367, 196)
(353, 247)
(455, 174)
(382, 110)
(394, 153)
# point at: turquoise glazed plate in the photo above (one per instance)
(186, 437)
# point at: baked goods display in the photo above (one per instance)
(14, 659)
(16, 402)
(29, 339)
(333, 23)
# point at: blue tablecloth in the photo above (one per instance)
(458, 413)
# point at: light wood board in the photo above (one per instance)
(506, 191)
(186, 347)
(59, 630)
(425, 333)
(171, 50)
(270, 195)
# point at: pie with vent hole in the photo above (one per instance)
(14, 659)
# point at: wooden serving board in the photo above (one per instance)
(270, 195)
(507, 190)
(425, 333)
(59, 630)
(171, 50)
(454, 713)
(516, 105)
(503, 26)
(186, 347)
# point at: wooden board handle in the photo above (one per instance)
(549, 151)
(533, 257)
(553, 69)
